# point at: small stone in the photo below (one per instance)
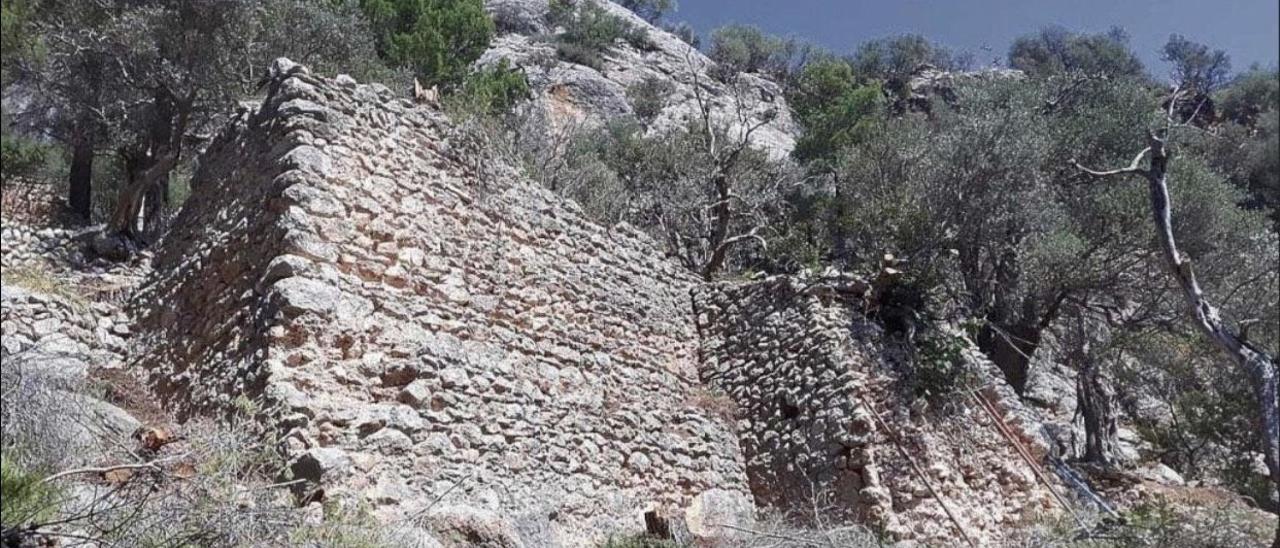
(454, 377)
(416, 393)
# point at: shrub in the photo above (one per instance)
(897, 57)
(1195, 66)
(649, 97)
(20, 158)
(491, 90)
(1251, 94)
(833, 109)
(1162, 524)
(43, 281)
(23, 497)
(1055, 50)
(746, 48)
(437, 39)
(590, 32)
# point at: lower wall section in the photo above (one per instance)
(809, 374)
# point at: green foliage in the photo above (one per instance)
(833, 109)
(492, 90)
(16, 36)
(591, 32)
(983, 206)
(649, 96)
(1055, 50)
(21, 158)
(938, 368)
(437, 39)
(897, 57)
(746, 48)
(23, 497)
(1195, 66)
(649, 10)
(662, 183)
(329, 37)
(1249, 95)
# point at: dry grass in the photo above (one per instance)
(216, 485)
(48, 283)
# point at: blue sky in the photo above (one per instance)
(1246, 29)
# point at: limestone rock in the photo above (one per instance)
(714, 509)
(566, 94)
(464, 527)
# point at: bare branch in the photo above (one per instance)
(1132, 168)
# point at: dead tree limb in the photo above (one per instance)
(1258, 367)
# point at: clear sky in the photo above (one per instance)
(1246, 29)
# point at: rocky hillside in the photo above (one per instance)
(567, 94)
(622, 297)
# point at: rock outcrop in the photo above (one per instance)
(567, 94)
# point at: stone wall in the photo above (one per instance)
(809, 374)
(432, 332)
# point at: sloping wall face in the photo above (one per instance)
(809, 375)
(429, 329)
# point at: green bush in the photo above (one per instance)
(21, 157)
(23, 497)
(437, 39)
(939, 367)
(1251, 94)
(590, 32)
(746, 48)
(649, 97)
(897, 57)
(1055, 50)
(833, 109)
(492, 90)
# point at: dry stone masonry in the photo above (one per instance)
(433, 332)
(445, 343)
(809, 375)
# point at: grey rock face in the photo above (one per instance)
(568, 95)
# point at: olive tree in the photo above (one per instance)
(703, 190)
(1055, 50)
(147, 81)
(1253, 361)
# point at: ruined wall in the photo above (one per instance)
(807, 372)
(434, 331)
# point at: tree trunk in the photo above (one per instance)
(1010, 346)
(720, 232)
(1095, 401)
(84, 144)
(130, 201)
(1096, 404)
(1258, 367)
(80, 180)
